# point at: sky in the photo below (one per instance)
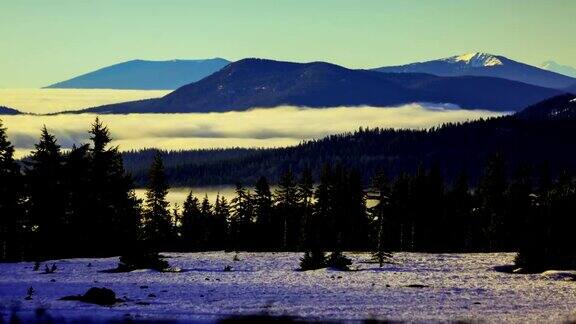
(43, 41)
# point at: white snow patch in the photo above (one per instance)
(476, 59)
(455, 287)
(560, 275)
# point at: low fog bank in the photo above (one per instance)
(45, 101)
(273, 127)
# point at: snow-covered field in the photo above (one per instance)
(456, 287)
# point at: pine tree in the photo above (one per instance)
(158, 227)
(11, 216)
(112, 218)
(263, 213)
(242, 219)
(491, 195)
(219, 237)
(305, 192)
(286, 199)
(46, 203)
(322, 223)
(380, 192)
(459, 215)
(191, 229)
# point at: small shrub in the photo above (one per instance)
(98, 296)
(313, 260)
(338, 261)
(36, 266)
(144, 260)
(51, 269)
(382, 257)
(227, 268)
(236, 258)
(29, 293)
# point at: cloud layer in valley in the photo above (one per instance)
(43, 101)
(275, 127)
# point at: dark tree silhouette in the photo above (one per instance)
(158, 225)
(11, 215)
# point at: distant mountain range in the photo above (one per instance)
(145, 75)
(253, 83)
(558, 68)
(483, 64)
(8, 111)
(571, 89)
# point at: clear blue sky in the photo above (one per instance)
(44, 41)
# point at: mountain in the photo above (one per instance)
(562, 69)
(8, 111)
(571, 89)
(145, 75)
(530, 137)
(561, 107)
(483, 64)
(253, 83)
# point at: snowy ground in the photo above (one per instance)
(458, 287)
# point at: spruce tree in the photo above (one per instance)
(380, 192)
(491, 195)
(11, 215)
(305, 192)
(286, 199)
(112, 216)
(219, 233)
(46, 203)
(191, 228)
(263, 213)
(158, 227)
(242, 219)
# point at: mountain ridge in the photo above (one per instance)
(251, 83)
(484, 64)
(559, 68)
(9, 111)
(145, 75)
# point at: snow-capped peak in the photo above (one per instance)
(476, 59)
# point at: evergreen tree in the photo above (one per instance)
(242, 219)
(219, 236)
(192, 224)
(322, 223)
(263, 213)
(46, 203)
(158, 227)
(491, 196)
(305, 192)
(112, 219)
(460, 227)
(286, 199)
(11, 216)
(380, 192)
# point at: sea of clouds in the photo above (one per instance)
(270, 127)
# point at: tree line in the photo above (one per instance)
(454, 147)
(82, 203)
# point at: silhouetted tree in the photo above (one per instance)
(46, 203)
(158, 227)
(263, 210)
(11, 215)
(286, 199)
(192, 224)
